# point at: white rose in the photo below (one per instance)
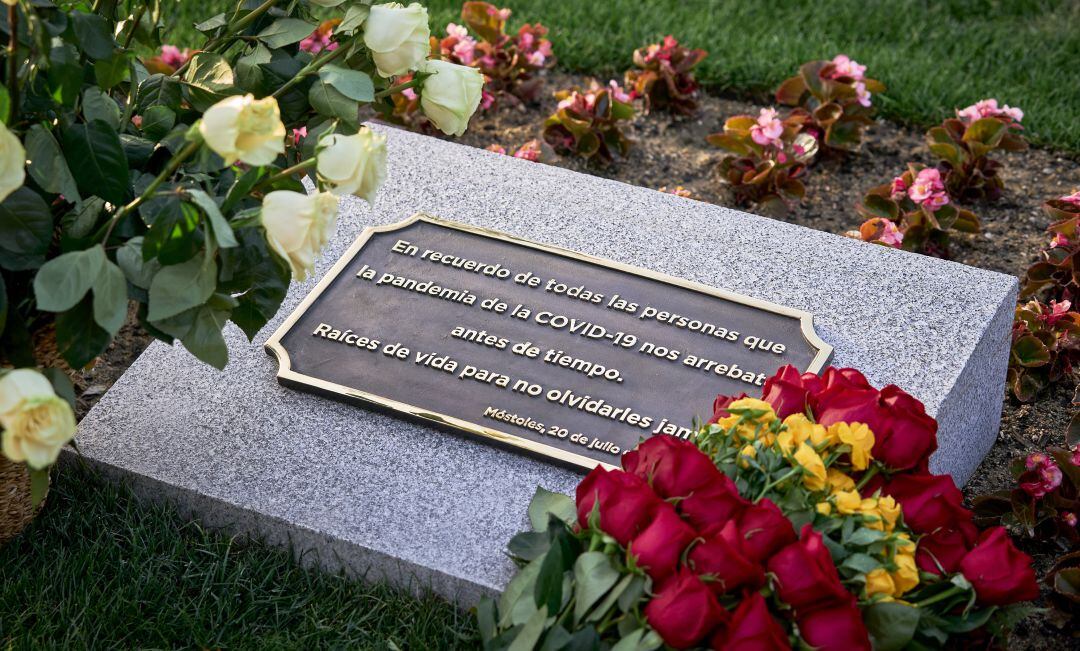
(12, 162)
(353, 164)
(243, 128)
(298, 226)
(449, 97)
(37, 422)
(398, 37)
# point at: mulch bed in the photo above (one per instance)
(672, 151)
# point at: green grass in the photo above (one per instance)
(99, 570)
(933, 55)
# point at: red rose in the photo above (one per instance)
(946, 547)
(661, 543)
(764, 529)
(789, 391)
(839, 627)
(843, 377)
(720, 405)
(714, 505)
(672, 466)
(806, 576)
(904, 436)
(752, 628)
(1001, 573)
(684, 611)
(626, 502)
(721, 556)
(929, 502)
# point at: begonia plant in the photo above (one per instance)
(836, 98)
(664, 76)
(1045, 347)
(964, 145)
(1056, 274)
(587, 122)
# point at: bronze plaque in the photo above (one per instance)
(559, 353)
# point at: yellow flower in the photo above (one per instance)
(803, 430)
(839, 481)
(906, 575)
(861, 440)
(824, 508)
(868, 508)
(889, 510)
(814, 477)
(748, 452)
(748, 428)
(755, 403)
(847, 502)
(879, 582)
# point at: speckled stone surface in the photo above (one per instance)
(352, 489)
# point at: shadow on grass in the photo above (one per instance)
(100, 569)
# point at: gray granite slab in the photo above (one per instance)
(377, 496)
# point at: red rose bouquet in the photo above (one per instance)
(805, 518)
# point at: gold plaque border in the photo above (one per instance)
(287, 376)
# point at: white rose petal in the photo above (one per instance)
(298, 226)
(450, 96)
(243, 128)
(398, 37)
(12, 162)
(37, 423)
(353, 164)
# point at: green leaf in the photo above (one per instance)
(96, 159)
(180, 287)
(545, 502)
(218, 224)
(520, 588)
(174, 234)
(110, 72)
(61, 385)
(612, 597)
(157, 121)
(97, 105)
(328, 101)
(530, 634)
(78, 338)
(638, 640)
(137, 271)
(986, 131)
(63, 281)
(26, 228)
(1030, 352)
(485, 618)
(210, 72)
(80, 222)
(199, 329)
(110, 298)
(355, 16)
(3, 306)
(593, 577)
(863, 563)
(880, 206)
(65, 74)
(891, 625)
(351, 83)
(159, 90)
(212, 23)
(93, 34)
(39, 485)
(549, 583)
(47, 165)
(526, 545)
(285, 31)
(249, 75)
(258, 277)
(5, 105)
(865, 536)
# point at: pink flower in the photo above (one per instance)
(899, 189)
(529, 151)
(988, 108)
(298, 134)
(861, 94)
(1058, 311)
(1035, 460)
(1073, 198)
(498, 149)
(768, 129)
(1076, 456)
(321, 39)
(458, 44)
(1059, 240)
(137, 121)
(846, 67)
(487, 100)
(891, 235)
(1047, 475)
(173, 56)
(1069, 518)
(928, 189)
(617, 92)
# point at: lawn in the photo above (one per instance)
(99, 570)
(933, 56)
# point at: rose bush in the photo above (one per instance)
(174, 182)
(693, 542)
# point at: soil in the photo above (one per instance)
(671, 151)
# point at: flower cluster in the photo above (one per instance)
(664, 76)
(509, 62)
(835, 97)
(1055, 276)
(806, 518)
(914, 212)
(530, 151)
(322, 38)
(768, 155)
(1045, 346)
(964, 143)
(586, 122)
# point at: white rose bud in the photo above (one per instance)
(449, 97)
(243, 128)
(298, 226)
(12, 162)
(353, 164)
(37, 422)
(398, 37)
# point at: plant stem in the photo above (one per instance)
(941, 596)
(231, 28)
(134, 25)
(302, 166)
(867, 477)
(13, 62)
(412, 83)
(170, 169)
(320, 61)
(794, 471)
